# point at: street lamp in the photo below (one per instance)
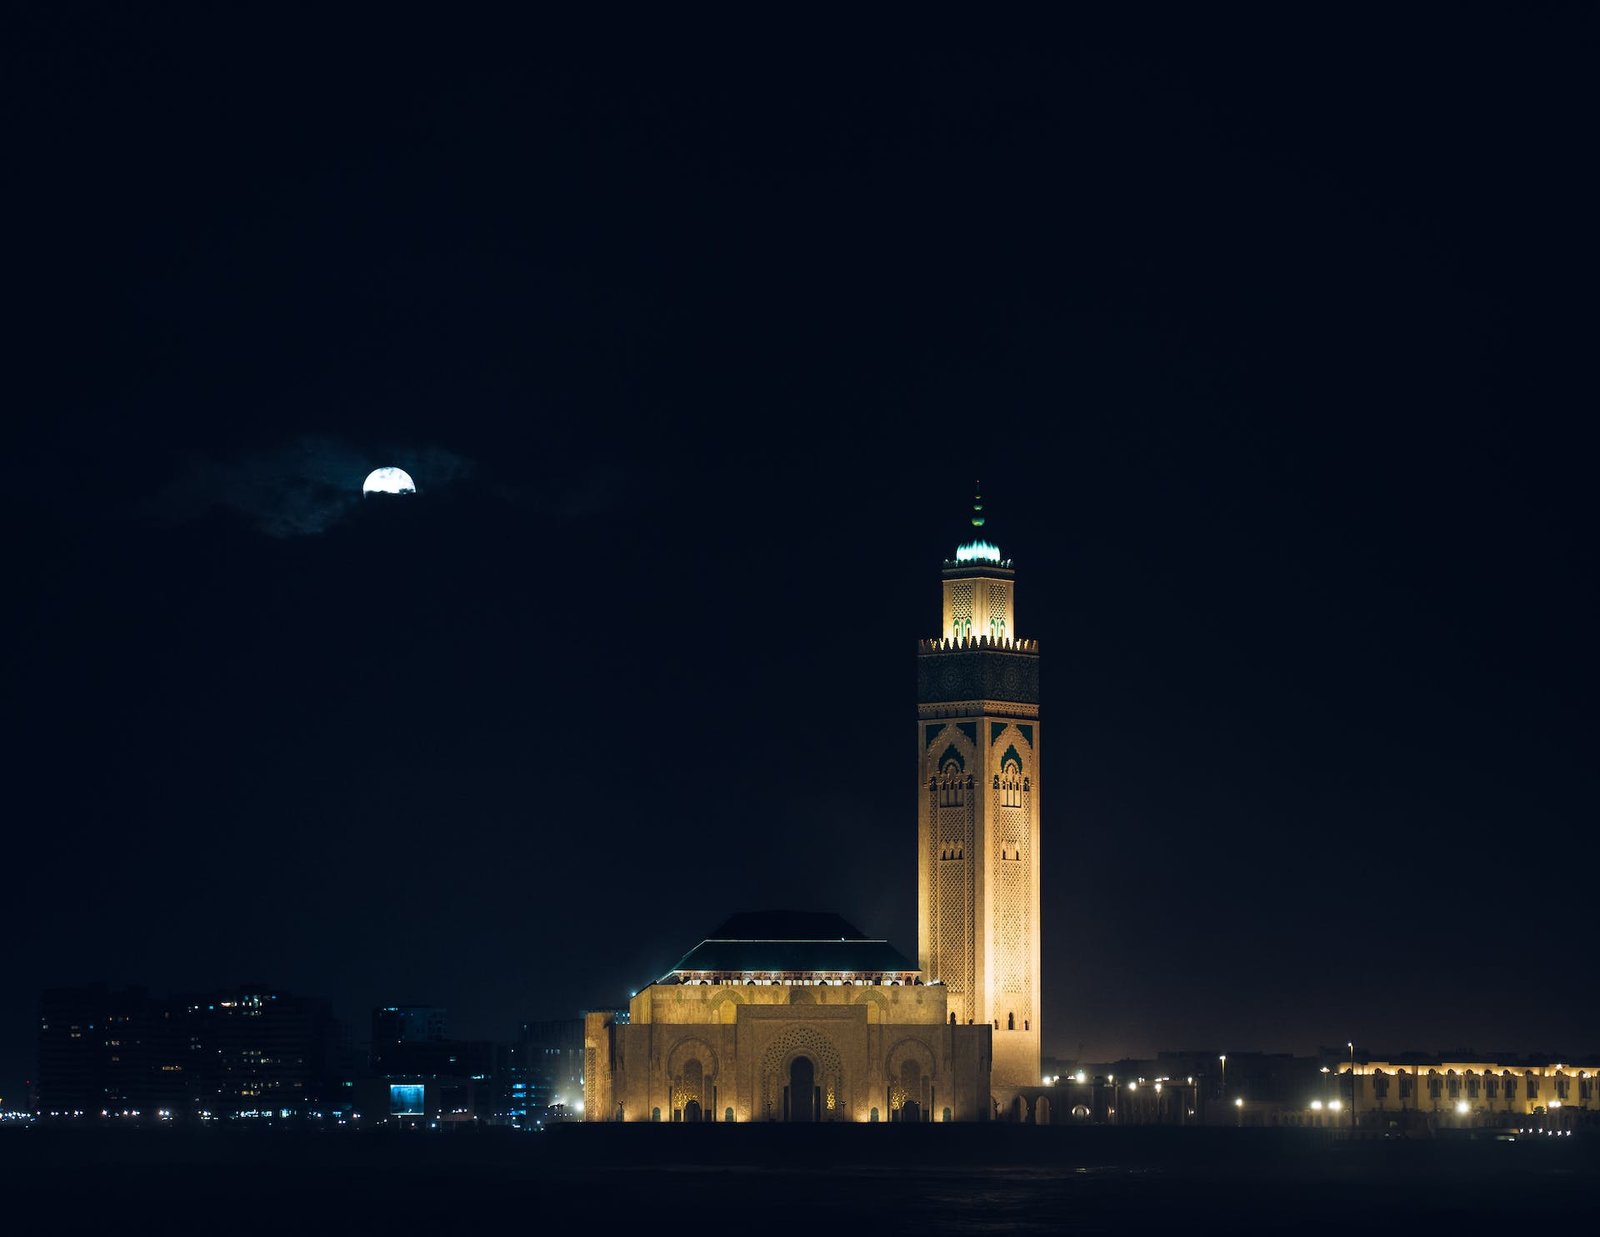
(1224, 1059)
(1350, 1044)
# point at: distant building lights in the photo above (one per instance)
(1463, 1107)
(1238, 1103)
(1334, 1105)
(1080, 1076)
(1316, 1105)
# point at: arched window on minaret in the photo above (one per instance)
(952, 784)
(953, 778)
(1011, 785)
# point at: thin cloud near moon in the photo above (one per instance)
(300, 489)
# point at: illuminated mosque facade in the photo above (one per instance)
(800, 1017)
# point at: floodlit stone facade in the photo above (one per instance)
(786, 1052)
(1468, 1092)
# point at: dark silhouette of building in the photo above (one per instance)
(554, 1055)
(403, 1024)
(125, 1055)
(266, 1053)
(421, 1077)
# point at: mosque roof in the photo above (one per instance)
(792, 941)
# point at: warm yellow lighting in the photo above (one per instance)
(1335, 1105)
(1316, 1105)
(1133, 1086)
(1462, 1107)
(1080, 1076)
(1555, 1103)
(1238, 1103)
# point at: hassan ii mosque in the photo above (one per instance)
(788, 1016)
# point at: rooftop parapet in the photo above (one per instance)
(985, 643)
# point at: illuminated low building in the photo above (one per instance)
(1476, 1093)
(786, 1016)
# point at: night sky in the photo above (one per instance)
(1271, 336)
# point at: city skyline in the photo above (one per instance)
(1270, 375)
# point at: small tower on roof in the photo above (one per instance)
(978, 586)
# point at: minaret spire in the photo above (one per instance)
(977, 504)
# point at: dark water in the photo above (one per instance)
(879, 1179)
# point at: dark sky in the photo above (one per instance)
(1271, 335)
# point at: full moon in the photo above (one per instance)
(388, 481)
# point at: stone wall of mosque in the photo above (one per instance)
(787, 1053)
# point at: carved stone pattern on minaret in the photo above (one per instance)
(951, 856)
(977, 673)
(954, 927)
(1013, 857)
(998, 593)
(960, 604)
(1012, 956)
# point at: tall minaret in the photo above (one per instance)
(978, 823)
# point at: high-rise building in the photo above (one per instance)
(978, 736)
(126, 1055)
(92, 1058)
(267, 1052)
(552, 1054)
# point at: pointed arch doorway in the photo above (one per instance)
(800, 1097)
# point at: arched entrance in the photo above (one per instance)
(911, 1111)
(691, 1111)
(800, 1096)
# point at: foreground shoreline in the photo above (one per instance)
(927, 1179)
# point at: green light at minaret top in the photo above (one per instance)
(977, 550)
